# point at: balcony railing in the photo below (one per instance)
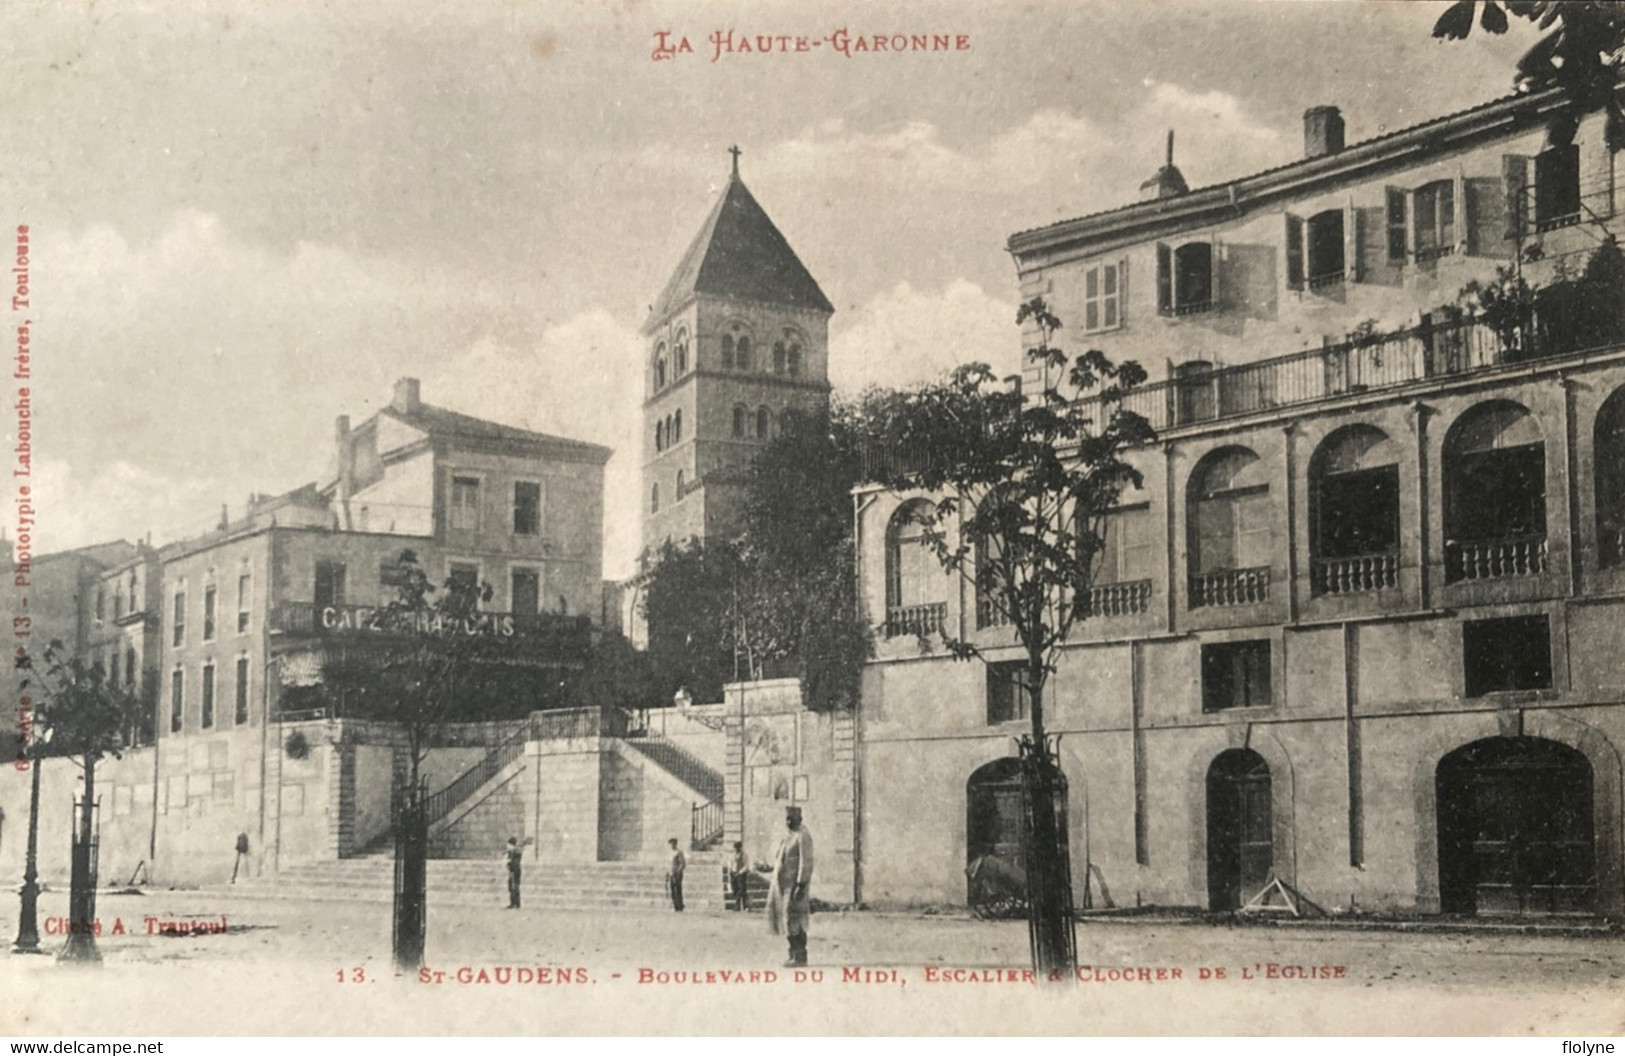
(571, 724)
(1232, 586)
(1353, 575)
(1366, 364)
(990, 612)
(1117, 599)
(1494, 558)
(917, 620)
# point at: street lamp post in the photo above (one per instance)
(28, 918)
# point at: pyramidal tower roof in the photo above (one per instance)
(740, 253)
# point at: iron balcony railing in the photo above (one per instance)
(1351, 575)
(990, 612)
(1511, 557)
(1230, 586)
(705, 823)
(1364, 364)
(917, 620)
(443, 802)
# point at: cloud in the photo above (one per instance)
(904, 336)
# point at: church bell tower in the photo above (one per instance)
(738, 339)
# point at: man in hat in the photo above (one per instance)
(516, 861)
(674, 875)
(788, 900)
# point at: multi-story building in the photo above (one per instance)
(234, 625)
(1358, 629)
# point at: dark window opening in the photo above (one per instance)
(1009, 692)
(329, 591)
(1194, 384)
(463, 578)
(208, 696)
(1358, 512)
(739, 423)
(527, 592)
(727, 351)
(1193, 277)
(1235, 675)
(177, 704)
(180, 618)
(209, 598)
(742, 353)
(527, 508)
(240, 715)
(1498, 494)
(1557, 187)
(1504, 655)
(1325, 248)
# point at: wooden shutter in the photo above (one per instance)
(1398, 226)
(1517, 176)
(1165, 278)
(1351, 242)
(1215, 255)
(1459, 219)
(1294, 251)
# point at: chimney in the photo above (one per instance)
(406, 396)
(1168, 181)
(1322, 131)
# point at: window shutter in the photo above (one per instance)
(1398, 228)
(1518, 177)
(1351, 242)
(1460, 217)
(1165, 278)
(1122, 292)
(1294, 251)
(1214, 256)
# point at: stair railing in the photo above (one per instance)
(446, 800)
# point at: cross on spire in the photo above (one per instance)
(735, 151)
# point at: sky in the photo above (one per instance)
(249, 218)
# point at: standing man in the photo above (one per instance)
(788, 901)
(674, 876)
(737, 871)
(516, 864)
(242, 852)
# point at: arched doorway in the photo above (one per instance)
(1516, 830)
(995, 858)
(1240, 840)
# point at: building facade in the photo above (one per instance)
(227, 634)
(1356, 630)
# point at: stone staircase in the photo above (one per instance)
(588, 887)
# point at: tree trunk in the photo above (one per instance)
(82, 886)
(1049, 873)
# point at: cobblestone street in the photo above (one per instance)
(315, 967)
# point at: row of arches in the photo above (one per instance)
(669, 430)
(1493, 492)
(1515, 823)
(737, 352)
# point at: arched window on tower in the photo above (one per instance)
(793, 354)
(660, 365)
(680, 354)
(764, 423)
(727, 351)
(654, 498)
(778, 357)
(742, 352)
(660, 436)
(679, 495)
(739, 421)
(677, 427)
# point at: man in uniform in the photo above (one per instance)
(788, 900)
(674, 876)
(516, 861)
